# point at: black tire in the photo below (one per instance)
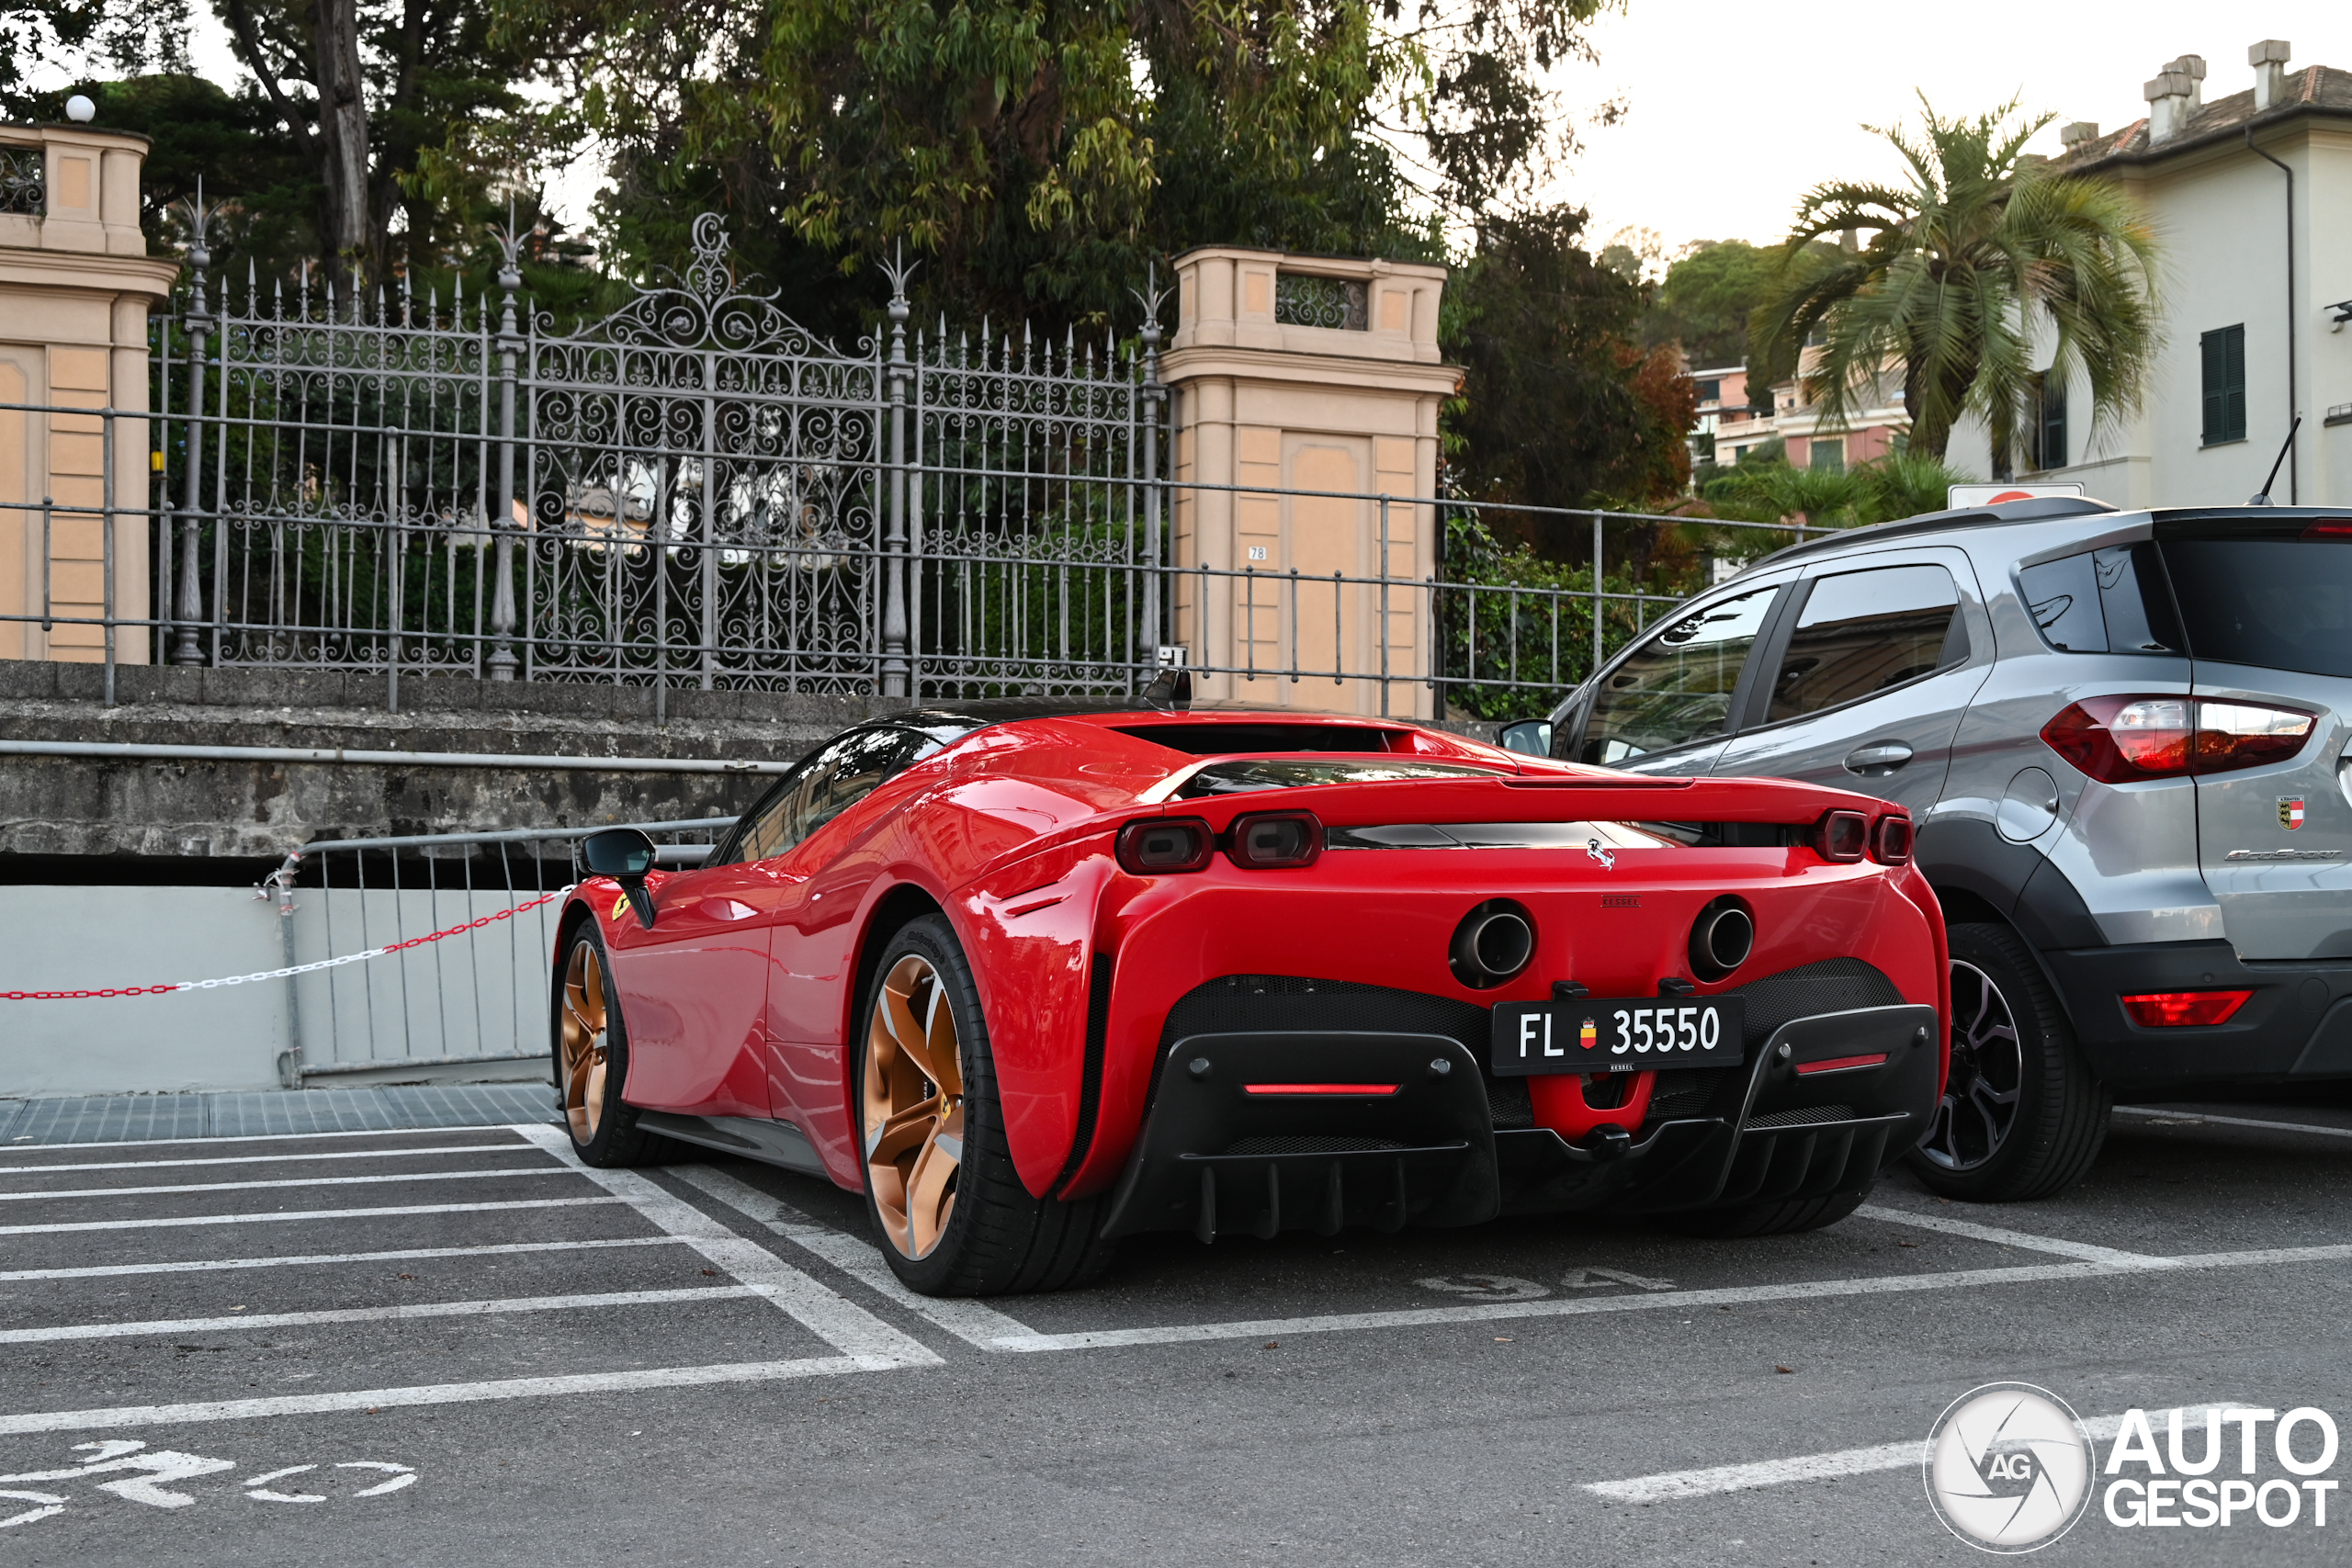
(590, 1058)
(995, 1239)
(2023, 1116)
(1765, 1219)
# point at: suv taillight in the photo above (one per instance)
(2124, 739)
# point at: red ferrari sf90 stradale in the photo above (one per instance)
(1034, 978)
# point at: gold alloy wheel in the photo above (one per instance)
(583, 1042)
(912, 1101)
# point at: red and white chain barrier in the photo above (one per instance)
(282, 973)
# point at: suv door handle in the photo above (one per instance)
(1878, 760)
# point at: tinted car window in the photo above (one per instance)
(1862, 632)
(2111, 601)
(827, 784)
(2280, 603)
(1677, 687)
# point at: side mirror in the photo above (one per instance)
(1529, 737)
(625, 856)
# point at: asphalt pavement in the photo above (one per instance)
(456, 1345)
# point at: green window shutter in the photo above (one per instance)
(2222, 356)
(2234, 372)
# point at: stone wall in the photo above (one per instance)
(164, 818)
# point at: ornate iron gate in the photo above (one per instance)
(692, 491)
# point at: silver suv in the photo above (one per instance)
(2123, 736)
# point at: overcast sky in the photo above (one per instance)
(1735, 109)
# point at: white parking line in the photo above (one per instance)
(832, 1318)
(2233, 1120)
(401, 1255)
(376, 1178)
(1498, 1312)
(427, 1393)
(2020, 1240)
(268, 1138)
(967, 1320)
(264, 1160)
(273, 1215)
(369, 1315)
(1810, 1467)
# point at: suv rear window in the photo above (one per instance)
(2277, 604)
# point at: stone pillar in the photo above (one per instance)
(75, 286)
(1299, 373)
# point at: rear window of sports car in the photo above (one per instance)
(1240, 777)
(1220, 740)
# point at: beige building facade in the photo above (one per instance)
(1294, 376)
(75, 286)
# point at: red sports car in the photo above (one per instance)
(1035, 978)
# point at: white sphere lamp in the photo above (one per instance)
(80, 110)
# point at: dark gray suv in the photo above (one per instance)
(2123, 736)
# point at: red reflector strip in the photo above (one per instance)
(1320, 1087)
(2184, 1010)
(1838, 1065)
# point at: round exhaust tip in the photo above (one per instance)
(1494, 941)
(1721, 939)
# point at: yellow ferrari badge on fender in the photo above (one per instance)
(620, 906)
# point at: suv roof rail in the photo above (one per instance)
(2031, 510)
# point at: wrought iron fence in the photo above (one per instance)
(693, 491)
(24, 180)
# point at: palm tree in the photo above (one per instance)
(1961, 279)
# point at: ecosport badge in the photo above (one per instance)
(2290, 812)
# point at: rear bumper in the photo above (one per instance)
(2298, 1023)
(1215, 1157)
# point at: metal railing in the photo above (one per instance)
(475, 1000)
(24, 179)
(692, 492)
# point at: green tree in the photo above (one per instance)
(408, 113)
(1706, 298)
(1558, 401)
(1961, 275)
(1037, 154)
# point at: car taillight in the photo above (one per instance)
(2330, 528)
(2184, 1010)
(1842, 836)
(2126, 739)
(1159, 845)
(1891, 842)
(1275, 839)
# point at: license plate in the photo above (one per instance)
(1651, 1035)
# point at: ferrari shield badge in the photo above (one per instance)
(2290, 812)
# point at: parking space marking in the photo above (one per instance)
(261, 1159)
(1680, 1300)
(832, 1318)
(374, 1178)
(156, 1222)
(967, 1320)
(2023, 1240)
(399, 1254)
(268, 1138)
(1721, 1478)
(2233, 1120)
(366, 1399)
(397, 1312)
